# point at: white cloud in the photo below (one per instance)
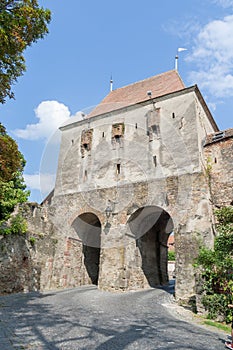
(224, 3)
(212, 54)
(51, 115)
(42, 182)
(184, 28)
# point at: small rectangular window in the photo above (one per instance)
(155, 129)
(155, 160)
(118, 138)
(118, 169)
(85, 175)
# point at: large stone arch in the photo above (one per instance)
(88, 228)
(151, 227)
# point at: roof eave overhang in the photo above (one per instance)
(193, 88)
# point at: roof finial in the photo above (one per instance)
(111, 83)
(177, 57)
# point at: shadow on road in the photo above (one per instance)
(86, 318)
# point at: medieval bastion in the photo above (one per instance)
(148, 161)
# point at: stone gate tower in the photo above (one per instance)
(130, 173)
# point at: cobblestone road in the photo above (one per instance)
(85, 318)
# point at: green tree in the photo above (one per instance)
(22, 22)
(11, 160)
(12, 186)
(217, 267)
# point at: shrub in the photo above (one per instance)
(17, 225)
(217, 268)
(32, 240)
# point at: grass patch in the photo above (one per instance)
(221, 326)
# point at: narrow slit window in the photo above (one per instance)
(85, 175)
(155, 160)
(103, 134)
(136, 126)
(173, 115)
(118, 169)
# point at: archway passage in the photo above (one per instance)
(88, 229)
(151, 227)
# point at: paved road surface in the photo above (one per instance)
(85, 318)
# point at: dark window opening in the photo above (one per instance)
(118, 169)
(155, 129)
(215, 160)
(85, 146)
(103, 134)
(173, 115)
(117, 138)
(136, 126)
(72, 141)
(155, 160)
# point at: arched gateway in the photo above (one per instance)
(151, 227)
(88, 228)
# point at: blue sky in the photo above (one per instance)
(88, 41)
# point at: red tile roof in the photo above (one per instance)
(159, 85)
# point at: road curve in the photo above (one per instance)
(85, 318)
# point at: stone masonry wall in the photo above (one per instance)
(219, 160)
(57, 259)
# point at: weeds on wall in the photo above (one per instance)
(216, 266)
(15, 225)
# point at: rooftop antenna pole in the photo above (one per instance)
(111, 84)
(176, 62)
(180, 49)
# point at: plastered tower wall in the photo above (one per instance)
(148, 155)
(170, 130)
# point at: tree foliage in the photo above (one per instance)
(12, 186)
(22, 22)
(217, 267)
(11, 160)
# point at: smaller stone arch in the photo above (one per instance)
(151, 227)
(88, 228)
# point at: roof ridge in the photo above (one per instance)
(149, 78)
(136, 92)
